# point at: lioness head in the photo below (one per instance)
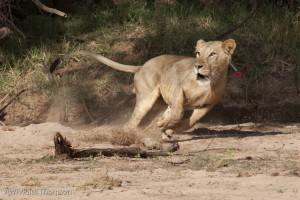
(212, 60)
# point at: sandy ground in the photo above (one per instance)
(239, 161)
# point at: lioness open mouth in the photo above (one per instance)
(202, 77)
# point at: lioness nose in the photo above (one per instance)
(198, 66)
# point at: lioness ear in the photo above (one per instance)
(199, 43)
(229, 46)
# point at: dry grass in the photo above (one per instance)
(102, 181)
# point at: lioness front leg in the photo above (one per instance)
(188, 123)
(197, 114)
(173, 114)
(171, 119)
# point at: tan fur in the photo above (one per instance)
(185, 83)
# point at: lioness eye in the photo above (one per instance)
(212, 54)
(197, 54)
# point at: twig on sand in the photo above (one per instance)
(87, 111)
(210, 143)
(276, 149)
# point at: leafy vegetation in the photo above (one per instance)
(268, 43)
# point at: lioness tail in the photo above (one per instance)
(102, 59)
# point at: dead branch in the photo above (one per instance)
(12, 91)
(5, 97)
(49, 10)
(11, 100)
(255, 7)
(6, 16)
(11, 24)
(63, 147)
(5, 32)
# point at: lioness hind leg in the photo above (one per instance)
(143, 104)
(165, 115)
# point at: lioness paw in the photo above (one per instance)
(161, 122)
(168, 134)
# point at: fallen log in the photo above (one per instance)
(63, 148)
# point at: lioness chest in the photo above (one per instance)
(179, 78)
(196, 96)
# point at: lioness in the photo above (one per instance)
(185, 83)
